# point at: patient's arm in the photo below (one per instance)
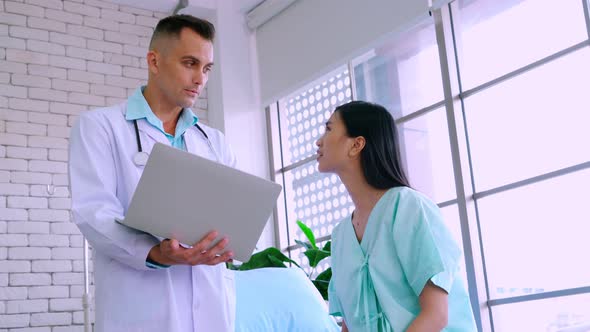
(344, 328)
(434, 313)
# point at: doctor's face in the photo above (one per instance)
(183, 68)
(334, 146)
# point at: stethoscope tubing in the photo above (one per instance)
(140, 158)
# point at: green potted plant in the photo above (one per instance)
(273, 257)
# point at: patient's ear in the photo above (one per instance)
(357, 147)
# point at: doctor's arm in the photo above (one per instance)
(434, 307)
(93, 185)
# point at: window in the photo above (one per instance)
(534, 236)
(403, 74)
(562, 314)
(305, 114)
(531, 124)
(318, 200)
(427, 155)
(497, 37)
(524, 73)
(519, 94)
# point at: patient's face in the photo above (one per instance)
(334, 146)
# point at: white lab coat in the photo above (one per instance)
(130, 296)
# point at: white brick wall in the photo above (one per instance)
(8, 321)
(30, 279)
(26, 306)
(57, 58)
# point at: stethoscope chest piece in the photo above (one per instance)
(140, 158)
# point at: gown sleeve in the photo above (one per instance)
(424, 245)
(334, 304)
(335, 308)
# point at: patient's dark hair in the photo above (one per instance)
(171, 26)
(380, 159)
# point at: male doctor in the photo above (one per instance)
(143, 284)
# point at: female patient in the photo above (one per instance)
(394, 263)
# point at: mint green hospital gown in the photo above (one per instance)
(376, 284)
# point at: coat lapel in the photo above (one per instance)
(155, 134)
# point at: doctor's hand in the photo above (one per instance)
(170, 252)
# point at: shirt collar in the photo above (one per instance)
(138, 108)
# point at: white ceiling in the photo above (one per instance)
(248, 5)
(155, 5)
(169, 5)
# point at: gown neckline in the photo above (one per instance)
(362, 244)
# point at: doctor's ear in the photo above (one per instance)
(153, 61)
(357, 147)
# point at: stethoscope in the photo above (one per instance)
(141, 157)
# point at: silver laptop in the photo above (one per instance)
(184, 196)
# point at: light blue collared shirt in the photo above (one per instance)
(138, 108)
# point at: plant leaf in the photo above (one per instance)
(269, 257)
(323, 289)
(231, 266)
(328, 246)
(326, 275)
(322, 281)
(308, 233)
(315, 256)
(275, 261)
(303, 244)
